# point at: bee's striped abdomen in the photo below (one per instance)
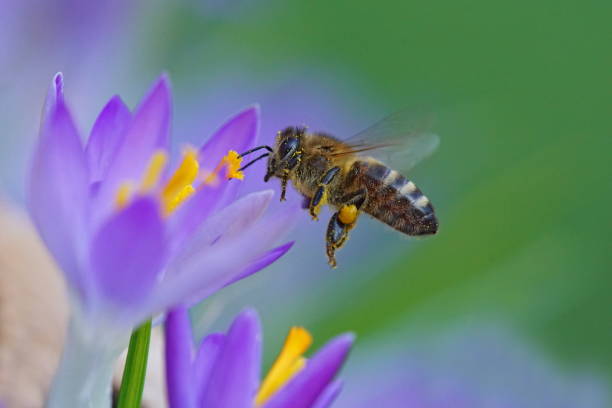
(395, 200)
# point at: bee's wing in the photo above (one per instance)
(400, 140)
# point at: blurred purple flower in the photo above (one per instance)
(223, 372)
(476, 366)
(131, 237)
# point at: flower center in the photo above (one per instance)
(180, 186)
(288, 363)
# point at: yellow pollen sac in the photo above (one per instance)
(156, 165)
(288, 363)
(124, 193)
(348, 214)
(179, 187)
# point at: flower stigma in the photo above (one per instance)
(232, 161)
(289, 362)
(180, 186)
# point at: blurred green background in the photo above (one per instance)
(521, 181)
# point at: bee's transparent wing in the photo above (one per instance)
(400, 140)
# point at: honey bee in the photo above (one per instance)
(327, 170)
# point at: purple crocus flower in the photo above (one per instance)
(473, 365)
(223, 372)
(134, 238)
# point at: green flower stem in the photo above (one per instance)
(132, 382)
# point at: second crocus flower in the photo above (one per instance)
(223, 371)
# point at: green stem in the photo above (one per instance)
(135, 369)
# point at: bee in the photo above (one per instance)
(339, 173)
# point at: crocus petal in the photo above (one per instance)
(241, 213)
(128, 252)
(148, 132)
(267, 259)
(187, 219)
(58, 190)
(304, 390)
(239, 133)
(55, 94)
(204, 362)
(235, 375)
(329, 395)
(177, 329)
(106, 136)
(233, 219)
(204, 273)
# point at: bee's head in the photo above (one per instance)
(286, 152)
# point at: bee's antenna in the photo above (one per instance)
(268, 148)
(254, 160)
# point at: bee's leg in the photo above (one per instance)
(293, 162)
(353, 202)
(356, 198)
(320, 196)
(283, 188)
(337, 233)
(342, 222)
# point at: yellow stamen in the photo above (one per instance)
(288, 363)
(181, 197)
(181, 181)
(180, 186)
(124, 193)
(156, 165)
(233, 161)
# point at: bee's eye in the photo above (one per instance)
(288, 146)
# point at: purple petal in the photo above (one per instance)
(187, 219)
(58, 191)
(239, 133)
(239, 214)
(329, 395)
(55, 94)
(205, 272)
(304, 390)
(267, 259)
(128, 251)
(205, 361)
(232, 220)
(179, 344)
(148, 132)
(106, 136)
(235, 375)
